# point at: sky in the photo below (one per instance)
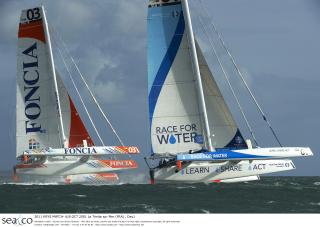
(275, 43)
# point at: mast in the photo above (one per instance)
(195, 62)
(46, 30)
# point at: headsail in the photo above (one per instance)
(75, 130)
(176, 121)
(37, 123)
(222, 125)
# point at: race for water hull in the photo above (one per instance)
(191, 126)
(218, 172)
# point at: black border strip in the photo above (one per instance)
(164, 4)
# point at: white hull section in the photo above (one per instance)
(62, 166)
(217, 172)
(83, 151)
(248, 154)
(239, 179)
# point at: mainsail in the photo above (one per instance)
(176, 118)
(37, 115)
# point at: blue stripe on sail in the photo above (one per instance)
(162, 25)
(165, 66)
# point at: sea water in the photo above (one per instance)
(269, 195)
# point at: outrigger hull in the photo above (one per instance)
(210, 172)
(94, 178)
(74, 165)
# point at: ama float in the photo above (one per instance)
(194, 136)
(51, 138)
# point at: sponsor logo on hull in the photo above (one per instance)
(257, 167)
(80, 150)
(229, 168)
(195, 170)
(115, 164)
(120, 163)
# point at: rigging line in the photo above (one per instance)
(55, 85)
(214, 28)
(228, 81)
(79, 95)
(97, 103)
(197, 74)
(87, 86)
(201, 112)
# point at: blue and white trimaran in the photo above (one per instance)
(193, 134)
(52, 140)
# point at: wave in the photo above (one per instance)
(278, 184)
(80, 196)
(150, 209)
(29, 183)
(185, 187)
(62, 183)
(205, 211)
(315, 204)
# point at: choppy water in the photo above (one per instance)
(269, 195)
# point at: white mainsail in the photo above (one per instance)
(37, 118)
(176, 119)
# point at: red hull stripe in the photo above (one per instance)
(108, 176)
(32, 30)
(29, 166)
(78, 131)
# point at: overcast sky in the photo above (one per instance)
(276, 44)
